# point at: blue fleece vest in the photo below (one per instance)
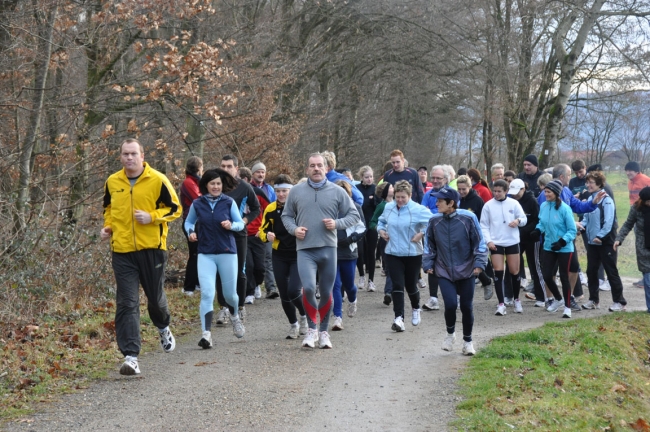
(213, 238)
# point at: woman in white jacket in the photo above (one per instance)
(500, 221)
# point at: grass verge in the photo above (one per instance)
(586, 374)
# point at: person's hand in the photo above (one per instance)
(143, 217)
(579, 226)
(417, 237)
(384, 234)
(597, 241)
(535, 235)
(270, 236)
(477, 271)
(616, 244)
(599, 197)
(514, 223)
(300, 233)
(226, 224)
(430, 271)
(330, 224)
(107, 232)
(558, 245)
(192, 237)
(492, 246)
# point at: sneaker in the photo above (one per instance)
(398, 324)
(448, 343)
(501, 310)
(377, 263)
(371, 286)
(197, 288)
(431, 304)
(567, 313)
(222, 316)
(130, 366)
(415, 318)
(590, 305)
(362, 282)
(303, 324)
(508, 301)
(249, 300)
(167, 341)
(324, 340)
(530, 287)
(237, 327)
(188, 293)
(468, 349)
(294, 331)
(422, 284)
(617, 307)
(603, 285)
(548, 303)
(383, 272)
(540, 304)
(338, 324)
(523, 283)
(638, 284)
(583, 278)
(206, 340)
(310, 338)
(574, 305)
(258, 292)
(555, 305)
(273, 294)
(387, 299)
(241, 313)
(488, 291)
(352, 309)
(518, 308)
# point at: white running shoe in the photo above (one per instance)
(431, 304)
(398, 324)
(603, 285)
(371, 286)
(468, 349)
(518, 308)
(130, 366)
(555, 305)
(421, 283)
(617, 307)
(310, 338)
(567, 312)
(303, 324)
(206, 340)
(508, 301)
(590, 305)
(222, 316)
(448, 343)
(188, 293)
(258, 292)
(540, 304)
(352, 309)
(237, 327)
(415, 318)
(523, 283)
(501, 310)
(338, 324)
(583, 278)
(324, 340)
(242, 313)
(294, 331)
(167, 341)
(362, 282)
(249, 300)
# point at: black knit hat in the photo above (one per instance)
(555, 186)
(532, 159)
(632, 166)
(595, 167)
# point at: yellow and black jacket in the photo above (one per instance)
(284, 244)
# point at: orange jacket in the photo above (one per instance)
(635, 185)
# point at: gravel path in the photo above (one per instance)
(373, 380)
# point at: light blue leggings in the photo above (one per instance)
(209, 265)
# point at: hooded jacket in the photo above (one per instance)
(401, 224)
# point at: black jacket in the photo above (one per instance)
(472, 202)
(369, 202)
(530, 206)
(531, 182)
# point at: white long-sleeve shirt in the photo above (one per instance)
(496, 216)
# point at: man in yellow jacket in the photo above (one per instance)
(139, 202)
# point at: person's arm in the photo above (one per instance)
(531, 220)
(107, 229)
(375, 216)
(571, 231)
(576, 205)
(484, 225)
(348, 209)
(267, 222)
(519, 214)
(253, 205)
(171, 207)
(541, 224)
(357, 196)
(190, 221)
(430, 249)
(237, 221)
(627, 226)
(478, 245)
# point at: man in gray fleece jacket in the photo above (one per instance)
(311, 214)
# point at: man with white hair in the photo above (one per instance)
(497, 173)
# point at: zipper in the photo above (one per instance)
(135, 242)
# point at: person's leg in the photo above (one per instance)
(564, 261)
(250, 266)
(396, 270)
(269, 277)
(307, 268)
(242, 245)
(361, 246)
(191, 271)
(532, 256)
(514, 260)
(499, 280)
(281, 272)
(646, 288)
(549, 269)
(593, 262)
(412, 267)
(449, 295)
(465, 288)
(327, 275)
(259, 257)
(207, 277)
(576, 285)
(608, 258)
(346, 275)
(229, 275)
(127, 303)
(152, 278)
(369, 251)
(295, 288)
(337, 293)
(433, 284)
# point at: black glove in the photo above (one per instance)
(558, 245)
(535, 235)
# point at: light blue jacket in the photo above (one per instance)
(402, 224)
(556, 224)
(591, 220)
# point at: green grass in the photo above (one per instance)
(587, 374)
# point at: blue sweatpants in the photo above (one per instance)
(345, 272)
(449, 290)
(211, 265)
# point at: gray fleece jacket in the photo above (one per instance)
(307, 207)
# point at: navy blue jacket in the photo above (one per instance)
(213, 238)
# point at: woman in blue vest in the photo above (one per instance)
(218, 215)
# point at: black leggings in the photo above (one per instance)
(566, 262)
(465, 289)
(367, 246)
(404, 272)
(289, 286)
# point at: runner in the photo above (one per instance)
(385, 191)
(190, 192)
(479, 185)
(368, 244)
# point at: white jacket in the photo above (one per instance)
(496, 216)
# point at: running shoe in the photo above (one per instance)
(258, 292)
(130, 366)
(272, 294)
(371, 286)
(501, 310)
(338, 324)
(468, 349)
(188, 293)
(567, 313)
(523, 282)
(362, 282)
(222, 316)
(387, 299)
(249, 300)
(574, 305)
(415, 318)
(310, 338)
(398, 324)
(448, 343)
(383, 272)
(167, 341)
(530, 287)
(421, 283)
(303, 324)
(583, 279)
(518, 308)
(324, 340)
(294, 331)
(508, 301)
(206, 340)
(617, 307)
(237, 327)
(638, 284)
(431, 304)
(540, 304)
(242, 313)
(488, 291)
(590, 305)
(352, 309)
(555, 305)
(603, 285)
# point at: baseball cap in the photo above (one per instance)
(447, 193)
(515, 186)
(422, 168)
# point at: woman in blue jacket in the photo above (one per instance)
(559, 229)
(402, 225)
(218, 216)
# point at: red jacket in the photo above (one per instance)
(483, 192)
(189, 192)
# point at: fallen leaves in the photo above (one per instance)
(640, 425)
(618, 388)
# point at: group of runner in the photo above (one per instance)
(305, 242)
